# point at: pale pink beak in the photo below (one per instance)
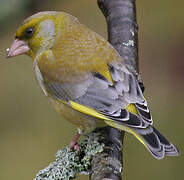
(18, 47)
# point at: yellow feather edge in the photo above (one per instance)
(105, 72)
(87, 110)
(110, 122)
(127, 129)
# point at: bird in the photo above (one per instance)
(86, 80)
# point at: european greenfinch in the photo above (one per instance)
(85, 78)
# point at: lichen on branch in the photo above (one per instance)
(69, 163)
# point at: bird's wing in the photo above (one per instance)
(126, 84)
(102, 97)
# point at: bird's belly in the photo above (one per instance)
(82, 121)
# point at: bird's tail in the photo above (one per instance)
(151, 138)
(155, 142)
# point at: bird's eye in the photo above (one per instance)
(29, 32)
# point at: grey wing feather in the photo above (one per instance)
(127, 85)
(98, 93)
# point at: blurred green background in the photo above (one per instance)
(30, 130)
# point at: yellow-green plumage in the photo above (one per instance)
(76, 52)
(86, 80)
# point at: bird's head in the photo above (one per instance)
(37, 33)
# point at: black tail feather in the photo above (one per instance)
(158, 145)
(170, 149)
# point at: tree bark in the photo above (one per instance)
(123, 35)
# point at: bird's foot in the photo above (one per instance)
(74, 144)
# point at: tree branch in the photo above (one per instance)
(123, 35)
(122, 29)
(108, 164)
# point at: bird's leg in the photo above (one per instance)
(74, 144)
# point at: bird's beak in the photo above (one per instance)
(18, 47)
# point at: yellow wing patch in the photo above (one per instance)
(106, 73)
(87, 110)
(131, 108)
